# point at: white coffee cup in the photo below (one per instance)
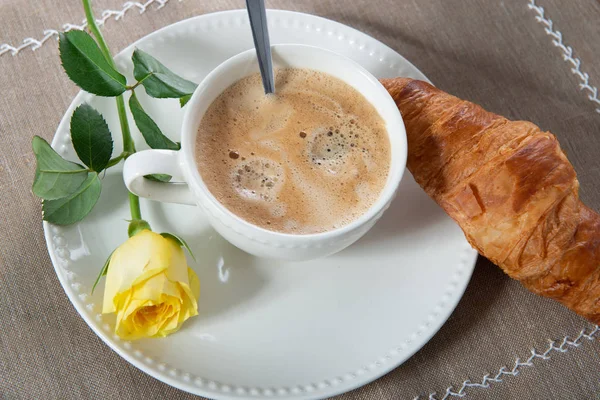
(251, 238)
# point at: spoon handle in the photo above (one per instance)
(260, 33)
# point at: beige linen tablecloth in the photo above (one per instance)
(502, 342)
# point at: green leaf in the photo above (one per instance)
(179, 241)
(91, 137)
(151, 132)
(159, 177)
(136, 226)
(103, 271)
(55, 177)
(85, 64)
(75, 207)
(158, 80)
(184, 100)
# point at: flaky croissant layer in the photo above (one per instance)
(510, 188)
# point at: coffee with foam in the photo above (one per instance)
(311, 158)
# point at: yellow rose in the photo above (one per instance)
(150, 287)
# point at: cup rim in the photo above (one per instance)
(392, 128)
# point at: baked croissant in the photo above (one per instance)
(509, 187)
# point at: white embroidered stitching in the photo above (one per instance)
(593, 96)
(567, 53)
(35, 44)
(485, 382)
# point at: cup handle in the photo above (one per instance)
(157, 162)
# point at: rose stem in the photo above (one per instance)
(128, 145)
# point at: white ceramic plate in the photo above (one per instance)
(271, 329)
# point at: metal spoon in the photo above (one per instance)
(260, 33)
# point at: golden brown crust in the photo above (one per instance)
(510, 188)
